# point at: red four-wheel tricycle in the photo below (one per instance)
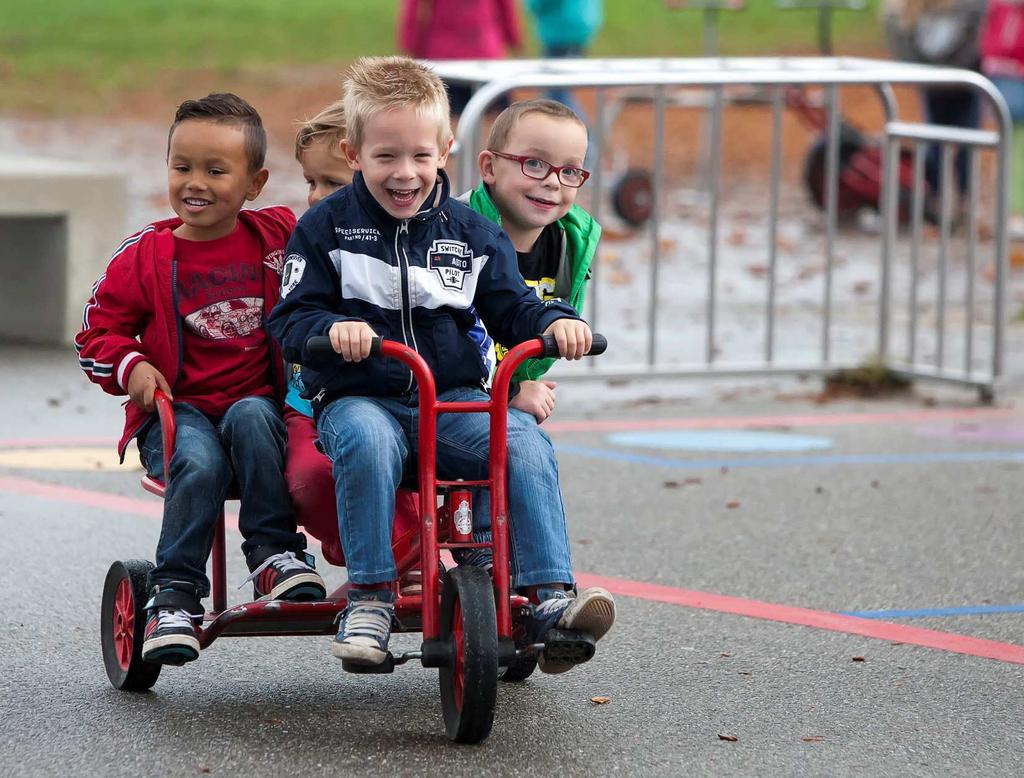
(471, 624)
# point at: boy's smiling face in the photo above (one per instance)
(208, 178)
(527, 205)
(399, 157)
(325, 169)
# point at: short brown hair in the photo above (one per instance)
(507, 119)
(226, 108)
(375, 84)
(328, 125)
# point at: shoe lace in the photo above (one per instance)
(370, 620)
(555, 603)
(475, 557)
(284, 562)
(173, 618)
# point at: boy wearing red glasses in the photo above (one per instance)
(532, 169)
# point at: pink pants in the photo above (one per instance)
(311, 484)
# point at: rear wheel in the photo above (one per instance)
(469, 684)
(123, 624)
(633, 197)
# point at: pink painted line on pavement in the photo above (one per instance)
(796, 420)
(150, 508)
(787, 614)
(58, 442)
(880, 630)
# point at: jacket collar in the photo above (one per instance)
(432, 208)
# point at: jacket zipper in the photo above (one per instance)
(405, 302)
(177, 321)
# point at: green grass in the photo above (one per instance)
(100, 47)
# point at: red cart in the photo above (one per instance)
(471, 624)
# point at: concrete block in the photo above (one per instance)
(59, 223)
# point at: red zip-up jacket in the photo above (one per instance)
(132, 314)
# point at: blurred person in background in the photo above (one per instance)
(943, 33)
(1002, 60)
(459, 29)
(565, 29)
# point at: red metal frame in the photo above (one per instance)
(276, 617)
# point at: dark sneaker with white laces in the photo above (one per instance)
(592, 611)
(285, 576)
(365, 627)
(474, 557)
(170, 636)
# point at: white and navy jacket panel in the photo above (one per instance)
(420, 281)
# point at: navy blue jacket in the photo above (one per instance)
(419, 281)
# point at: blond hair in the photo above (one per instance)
(375, 84)
(507, 119)
(328, 126)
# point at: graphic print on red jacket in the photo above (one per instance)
(220, 300)
(132, 314)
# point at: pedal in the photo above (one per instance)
(569, 646)
(387, 666)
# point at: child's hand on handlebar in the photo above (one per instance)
(572, 336)
(536, 398)
(352, 339)
(143, 382)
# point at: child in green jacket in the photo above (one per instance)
(531, 171)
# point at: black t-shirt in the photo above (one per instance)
(539, 265)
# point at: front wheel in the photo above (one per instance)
(469, 683)
(123, 624)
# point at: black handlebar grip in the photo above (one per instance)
(320, 346)
(598, 345)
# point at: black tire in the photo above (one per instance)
(519, 669)
(123, 625)
(633, 197)
(815, 161)
(469, 685)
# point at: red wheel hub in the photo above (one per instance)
(124, 623)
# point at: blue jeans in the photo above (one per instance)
(955, 108)
(561, 93)
(371, 440)
(246, 446)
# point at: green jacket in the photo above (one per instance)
(580, 236)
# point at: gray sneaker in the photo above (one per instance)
(365, 627)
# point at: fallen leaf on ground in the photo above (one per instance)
(600, 700)
(1017, 258)
(725, 654)
(728, 738)
(584, 541)
(813, 739)
(732, 504)
(736, 237)
(785, 244)
(858, 659)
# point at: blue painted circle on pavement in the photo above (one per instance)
(721, 440)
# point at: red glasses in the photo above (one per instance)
(532, 167)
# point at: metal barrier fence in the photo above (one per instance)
(982, 320)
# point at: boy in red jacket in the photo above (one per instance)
(181, 308)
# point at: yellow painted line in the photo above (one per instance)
(86, 458)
